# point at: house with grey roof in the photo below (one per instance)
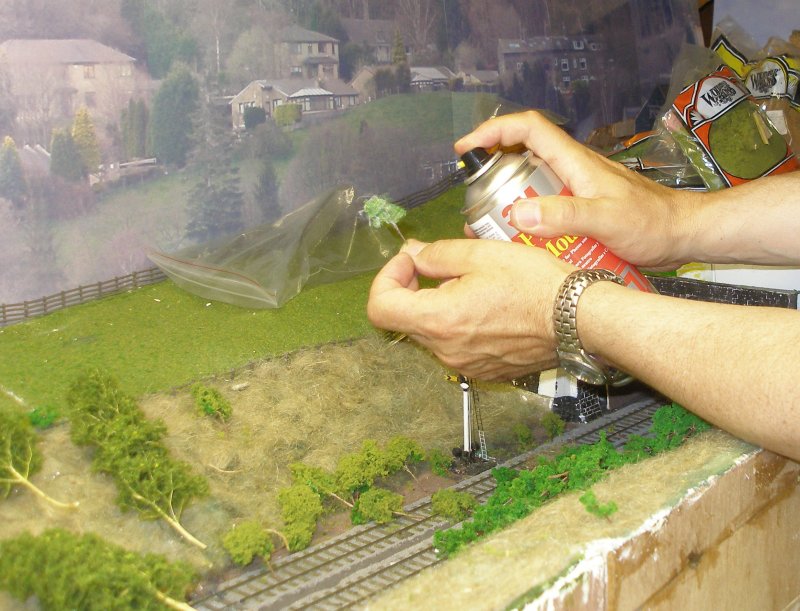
(50, 79)
(565, 58)
(306, 54)
(310, 95)
(431, 78)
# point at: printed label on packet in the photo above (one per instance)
(734, 132)
(580, 251)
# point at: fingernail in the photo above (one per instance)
(526, 215)
(412, 247)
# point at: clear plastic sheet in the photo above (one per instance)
(326, 240)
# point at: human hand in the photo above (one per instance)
(638, 219)
(489, 318)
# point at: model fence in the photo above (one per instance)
(18, 312)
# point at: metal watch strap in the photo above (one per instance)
(584, 366)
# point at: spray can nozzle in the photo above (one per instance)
(475, 159)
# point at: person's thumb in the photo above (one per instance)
(549, 216)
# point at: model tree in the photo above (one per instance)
(85, 138)
(64, 159)
(19, 456)
(128, 447)
(377, 504)
(68, 571)
(249, 539)
(12, 178)
(301, 507)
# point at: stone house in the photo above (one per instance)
(311, 95)
(564, 58)
(305, 54)
(50, 79)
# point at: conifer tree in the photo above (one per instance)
(170, 127)
(85, 138)
(133, 129)
(64, 159)
(12, 178)
(398, 49)
(216, 205)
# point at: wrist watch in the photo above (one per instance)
(572, 357)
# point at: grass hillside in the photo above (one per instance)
(159, 337)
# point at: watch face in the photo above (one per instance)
(584, 371)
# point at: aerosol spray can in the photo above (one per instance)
(495, 181)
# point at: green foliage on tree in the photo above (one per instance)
(20, 457)
(215, 208)
(170, 129)
(593, 506)
(439, 462)
(287, 115)
(268, 142)
(128, 447)
(165, 43)
(398, 49)
(43, 417)
(64, 158)
(12, 178)
(85, 138)
(552, 424)
(358, 471)
(246, 541)
(265, 194)
(518, 493)
(378, 505)
(453, 505)
(401, 452)
(301, 507)
(523, 436)
(353, 478)
(133, 129)
(254, 115)
(67, 571)
(209, 401)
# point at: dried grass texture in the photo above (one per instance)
(313, 405)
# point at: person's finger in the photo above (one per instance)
(391, 294)
(448, 259)
(550, 216)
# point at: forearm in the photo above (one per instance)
(734, 366)
(753, 223)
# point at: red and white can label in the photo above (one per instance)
(580, 251)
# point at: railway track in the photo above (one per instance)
(344, 571)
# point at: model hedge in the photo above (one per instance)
(305, 501)
(68, 571)
(518, 493)
(128, 447)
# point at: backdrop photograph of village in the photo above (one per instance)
(139, 125)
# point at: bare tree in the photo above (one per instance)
(420, 19)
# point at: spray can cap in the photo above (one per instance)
(475, 159)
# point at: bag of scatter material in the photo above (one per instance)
(725, 133)
(770, 74)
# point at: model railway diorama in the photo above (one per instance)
(343, 567)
